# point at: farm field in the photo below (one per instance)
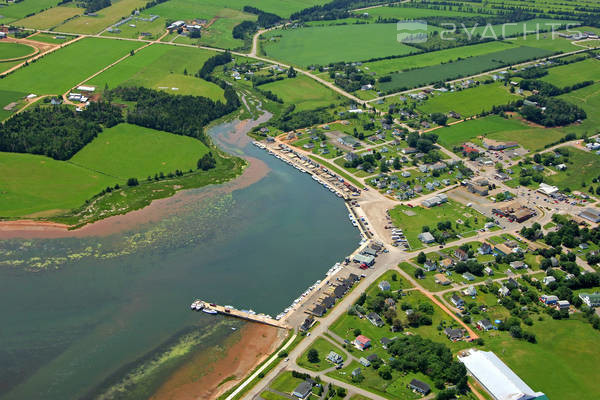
(7, 97)
(470, 66)
(302, 91)
(51, 38)
(569, 372)
(451, 211)
(54, 74)
(15, 11)
(383, 67)
(469, 102)
(545, 41)
(122, 152)
(582, 168)
(410, 13)
(105, 18)
(520, 28)
(498, 128)
(565, 75)
(14, 50)
(8, 65)
(587, 98)
(31, 184)
(162, 66)
(51, 17)
(134, 28)
(325, 44)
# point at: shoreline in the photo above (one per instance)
(156, 210)
(254, 344)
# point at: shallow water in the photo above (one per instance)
(80, 313)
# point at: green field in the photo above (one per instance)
(568, 350)
(410, 13)
(105, 18)
(523, 28)
(162, 66)
(498, 128)
(469, 102)
(545, 41)
(51, 38)
(582, 168)
(168, 152)
(469, 66)
(15, 11)
(587, 98)
(37, 184)
(33, 184)
(7, 97)
(55, 74)
(14, 50)
(323, 347)
(564, 75)
(51, 17)
(136, 26)
(325, 44)
(302, 91)
(384, 67)
(412, 225)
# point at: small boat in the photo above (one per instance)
(210, 311)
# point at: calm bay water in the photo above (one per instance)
(76, 312)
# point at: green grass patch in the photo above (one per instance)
(582, 168)
(126, 151)
(325, 44)
(587, 98)
(410, 13)
(458, 69)
(323, 347)
(469, 102)
(134, 28)
(452, 211)
(163, 67)
(302, 91)
(52, 38)
(285, 382)
(104, 18)
(51, 17)
(54, 74)
(569, 74)
(14, 50)
(15, 11)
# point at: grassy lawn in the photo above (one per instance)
(31, 184)
(323, 347)
(545, 41)
(302, 91)
(409, 13)
(128, 146)
(498, 128)
(15, 11)
(587, 98)
(570, 74)
(51, 38)
(285, 382)
(469, 102)
(325, 44)
(51, 17)
(104, 18)
(14, 50)
(450, 211)
(54, 74)
(268, 395)
(583, 167)
(395, 284)
(162, 66)
(383, 67)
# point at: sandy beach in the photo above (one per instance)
(214, 371)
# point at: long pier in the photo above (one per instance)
(233, 312)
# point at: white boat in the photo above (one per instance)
(210, 311)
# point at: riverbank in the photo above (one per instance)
(214, 371)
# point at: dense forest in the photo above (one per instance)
(182, 115)
(92, 6)
(57, 132)
(553, 112)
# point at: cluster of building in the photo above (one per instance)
(332, 293)
(515, 212)
(553, 301)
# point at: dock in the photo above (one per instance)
(211, 308)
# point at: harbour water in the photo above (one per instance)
(89, 316)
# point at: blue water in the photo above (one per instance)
(76, 311)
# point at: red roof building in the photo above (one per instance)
(362, 342)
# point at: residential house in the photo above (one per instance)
(372, 358)
(549, 300)
(446, 263)
(518, 265)
(461, 255)
(375, 319)
(426, 237)
(306, 325)
(362, 342)
(563, 305)
(385, 342)
(335, 358)
(470, 291)
(364, 362)
(389, 302)
(485, 248)
(457, 301)
(590, 299)
(488, 271)
(454, 334)
(303, 390)
(468, 276)
(328, 302)
(441, 279)
(504, 291)
(485, 325)
(319, 310)
(548, 280)
(429, 266)
(419, 386)
(356, 373)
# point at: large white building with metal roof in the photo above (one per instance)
(495, 376)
